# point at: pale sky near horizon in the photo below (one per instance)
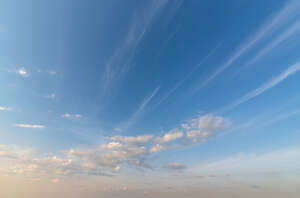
(154, 98)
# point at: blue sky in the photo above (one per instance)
(129, 89)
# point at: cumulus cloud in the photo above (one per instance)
(196, 130)
(139, 140)
(108, 158)
(171, 136)
(157, 148)
(33, 126)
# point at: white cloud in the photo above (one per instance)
(71, 116)
(51, 96)
(171, 136)
(2, 108)
(22, 71)
(266, 86)
(139, 112)
(111, 145)
(275, 23)
(108, 158)
(33, 126)
(157, 148)
(138, 140)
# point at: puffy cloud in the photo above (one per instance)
(111, 145)
(108, 158)
(139, 140)
(171, 136)
(157, 148)
(201, 128)
(33, 126)
(198, 135)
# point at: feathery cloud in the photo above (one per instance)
(266, 86)
(279, 19)
(2, 108)
(71, 116)
(33, 126)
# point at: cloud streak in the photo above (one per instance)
(140, 111)
(2, 108)
(266, 86)
(32, 126)
(278, 20)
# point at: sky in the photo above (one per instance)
(153, 98)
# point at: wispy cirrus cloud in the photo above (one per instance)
(2, 108)
(121, 60)
(72, 116)
(180, 83)
(32, 126)
(51, 96)
(287, 13)
(265, 86)
(141, 109)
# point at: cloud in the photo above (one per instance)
(180, 83)
(22, 71)
(55, 180)
(175, 166)
(157, 148)
(33, 126)
(2, 108)
(72, 116)
(266, 86)
(138, 140)
(111, 145)
(171, 136)
(51, 96)
(118, 129)
(139, 112)
(52, 73)
(142, 20)
(275, 23)
(108, 158)
(196, 130)
(253, 164)
(278, 40)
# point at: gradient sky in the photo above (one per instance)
(156, 98)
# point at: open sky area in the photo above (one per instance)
(152, 98)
